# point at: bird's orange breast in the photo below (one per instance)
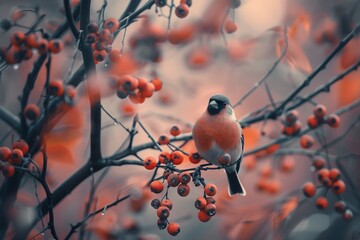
(225, 132)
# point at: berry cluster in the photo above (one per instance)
(23, 45)
(329, 179)
(9, 158)
(100, 40)
(292, 125)
(319, 116)
(181, 10)
(136, 88)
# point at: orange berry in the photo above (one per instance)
(13, 55)
(177, 157)
(56, 46)
(17, 38)
(224, 159)
(184, 177)
(112, 24)
(142, 83)
(8, 171)
(163, 140)
(326, 182)
(114, 55)
(348, 214)
(183, 190)
(31, 40)
(323, 173)
(338, 187)
(100, 55)
(167, 203)
(334, 174)
(173, 180)
(22, 145)
(182, 34)
(148, 91)
(173, 229)
(187, 2)
(56, 88)
(182, 10)
(309, 189)
(27, 53)
(230, 26)
(340, 206)
(160, 3)
(104, 35)
(306, 141)
(92, 28)
(262, 184)
(167, 173)
(32, 112)
(203, 216)
(129, 82)
(333, 120)
(16, 157)
(273, 186)
(164, 157)
(287, 164)
(150, 163)
(42, 46)
(320, 111)
(312, 122)
(157, 84)
(200, 203)
(266, 171)
(195, 158)
(210, 200)
(175, 131)
(321, 202)
(319, 162)
(156, 186)
(291, 117)
(4, 153)
(210, 189)
(210, 209)
(163, 212)
(162, 224)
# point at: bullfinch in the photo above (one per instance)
(217, 132)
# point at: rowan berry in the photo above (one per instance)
(8, 171)
(100, 56)
(348, 214)
(31, 40)
(5, 153)
(163, 140)
(22, 145)
(92, 28)
(309, 189)
(42, 46)
(148, 91)
(91, 38)
(306, 141)
(175, 131)
(162, 224)
(104, 35)
(340, 206)
(338, 187)
(291, 117)
(112, 24)
(210, 209)
(321, 202)
(155, 203)
(200, 203)
(32, 112)
(164, 157)
(182, 10)
(230, 26)
(56, 88)
(326, 182)
(203, 216)
(312, 122)
(334, 174)
(173, 179)
(195, 158)
(210, 189)
(319, 162)
(287, 164)
(183, 190)
(16, 157)
(167, 203)
(177, 157)
(56, 46)
(163, 212)
(157, 84)
(142, 83)
(156, 186)
(210, 200)
(320, 111)
(187, 2)
(150, 163)
(323, 173)
(184, 177)
(173, 229)
(17, 38)
(333, 120)
(114, 55)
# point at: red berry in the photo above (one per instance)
(4, 153)
(333, 120)
(92, 28)
(348, 214)
(177, 157)
(175, 131)
(163, 140)
(162, 224)
(100, 56)
(200, 203)
(210, 189)
(184, 177)
(104, 35)
(167, 173)
(155, 203)
(8, 171)
(291, 117)
(182, 10)
(173, 229)
(56, 88)
(210, 209)
(167, 203)
(156, 186)
(163, 212)
(312, 122)
(129, 82)
(183, 190)
(42, 46)
(338, 187)
(334, 174)
(323, 173)
(309, 189)
(114, 55)
(287, 164)
(319, 162)
(31, 40)
(203, 216)
(224, 159)
(55, 46)
(164, 157)
(195, 158)
(306, 141)
(157, 84)
(210, 200)
(142, 83)
(150, 163)
(112, 24)
(160, 3)
(32, 112)
(148, 91)
(340, 206)
(321, 202)
(17, 38)
(230, 26)
(22, 145)
(326, 182)
(320, 111)
(173, 180)
(16, 157)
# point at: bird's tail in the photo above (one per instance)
(235, 185)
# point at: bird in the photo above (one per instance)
(217, 132)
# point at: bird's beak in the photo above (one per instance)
(213, 105)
